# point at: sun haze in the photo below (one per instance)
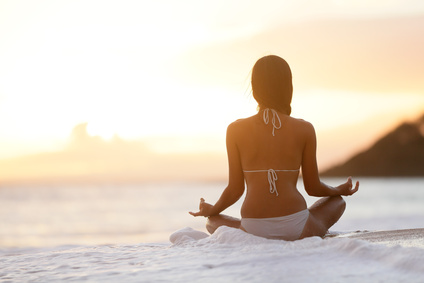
(165, 70)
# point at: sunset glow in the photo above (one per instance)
(175, 74)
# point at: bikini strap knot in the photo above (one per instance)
(272, 177)
(274, 120)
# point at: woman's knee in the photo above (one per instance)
(343, 203)
(340, 203)
(328, 210)
(329, 203)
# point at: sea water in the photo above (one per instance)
(123, 233)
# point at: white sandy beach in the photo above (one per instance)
(229, 255)
(108, 233)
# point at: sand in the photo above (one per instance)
(406, 237)
(229, 255)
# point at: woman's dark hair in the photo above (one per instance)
(272, 83)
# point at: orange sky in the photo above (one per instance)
(90, 159)
(175, 74)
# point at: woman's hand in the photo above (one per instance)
(346, 188)
(205, 209)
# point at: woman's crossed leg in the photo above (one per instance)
(322, 215)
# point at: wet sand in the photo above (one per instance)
(406, 237)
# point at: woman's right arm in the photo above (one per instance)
(311, 180)
(235, 188)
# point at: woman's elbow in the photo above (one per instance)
(314, 191)
(236, 190)
(310, 189)
(239, 192)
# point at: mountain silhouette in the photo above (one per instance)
(398, 154)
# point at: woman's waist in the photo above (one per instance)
(257, 206)
(265, 182)
(261, 188)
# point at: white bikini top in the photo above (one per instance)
(272, 174)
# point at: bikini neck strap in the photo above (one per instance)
(276, 121)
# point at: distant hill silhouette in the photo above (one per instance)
(398, 154)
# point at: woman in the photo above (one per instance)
(267, 151)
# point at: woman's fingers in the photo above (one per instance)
(356, 187)
(348, 189)
(202, 201)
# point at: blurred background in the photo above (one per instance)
(110, 95)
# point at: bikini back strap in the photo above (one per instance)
(274, 120)
(272, 177)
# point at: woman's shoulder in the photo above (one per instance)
(241, 124)
(301, 122)
(243, 121)
(302, 126)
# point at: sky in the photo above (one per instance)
(174, 74)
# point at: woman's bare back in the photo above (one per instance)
(261, 151)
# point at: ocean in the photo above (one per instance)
(122, 233)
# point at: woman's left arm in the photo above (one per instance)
(235, 188)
